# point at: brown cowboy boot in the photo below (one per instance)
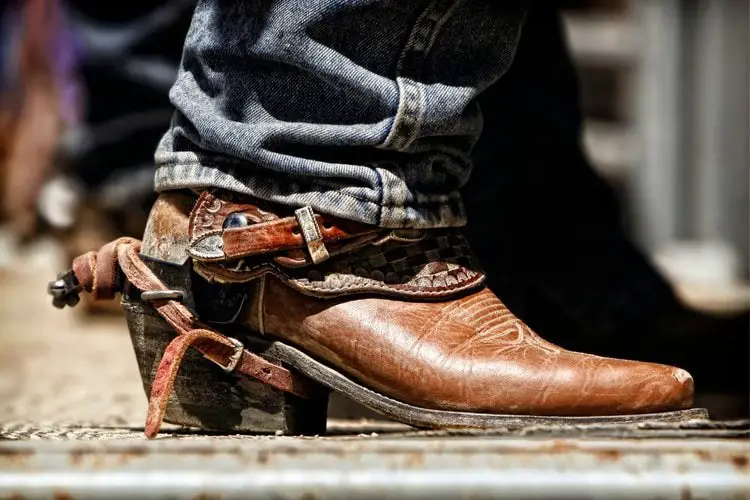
(397, 320)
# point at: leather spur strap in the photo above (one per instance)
(98, 274)
(238, 239)
(264, 232)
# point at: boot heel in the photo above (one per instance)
(205, 396)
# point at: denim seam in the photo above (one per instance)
(381, 191)
(410, 111)
(382, 203)
(424, 34)
(161, 185)
(407, 123)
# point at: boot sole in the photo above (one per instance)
(207, 397)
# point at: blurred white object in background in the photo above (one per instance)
(665, 94)
(705, 274)
(699, 262)
(59, 200)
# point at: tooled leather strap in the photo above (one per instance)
(97, 273)
(304, 230)
(211, 242)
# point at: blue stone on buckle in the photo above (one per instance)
(236, 220)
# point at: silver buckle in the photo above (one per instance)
(162, 295)
(234, 359)
(311, 234)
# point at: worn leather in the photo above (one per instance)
(412, 264)
(97, 272)
(167, 232)
(460, 352)
(469, 354)
(268, 232)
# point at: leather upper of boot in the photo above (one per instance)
(402, 312)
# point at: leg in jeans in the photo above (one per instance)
(365, 110)
(310, 202)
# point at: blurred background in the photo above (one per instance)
(83, 101)
(665, 91)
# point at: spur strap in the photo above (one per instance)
(99, 274)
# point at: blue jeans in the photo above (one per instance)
(362, 109)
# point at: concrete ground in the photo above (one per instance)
(66, 378)
(59, 366)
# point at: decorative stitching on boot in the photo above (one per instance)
(440, 265)
(435, 263)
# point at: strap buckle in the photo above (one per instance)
(311, 234)
(234, 359)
